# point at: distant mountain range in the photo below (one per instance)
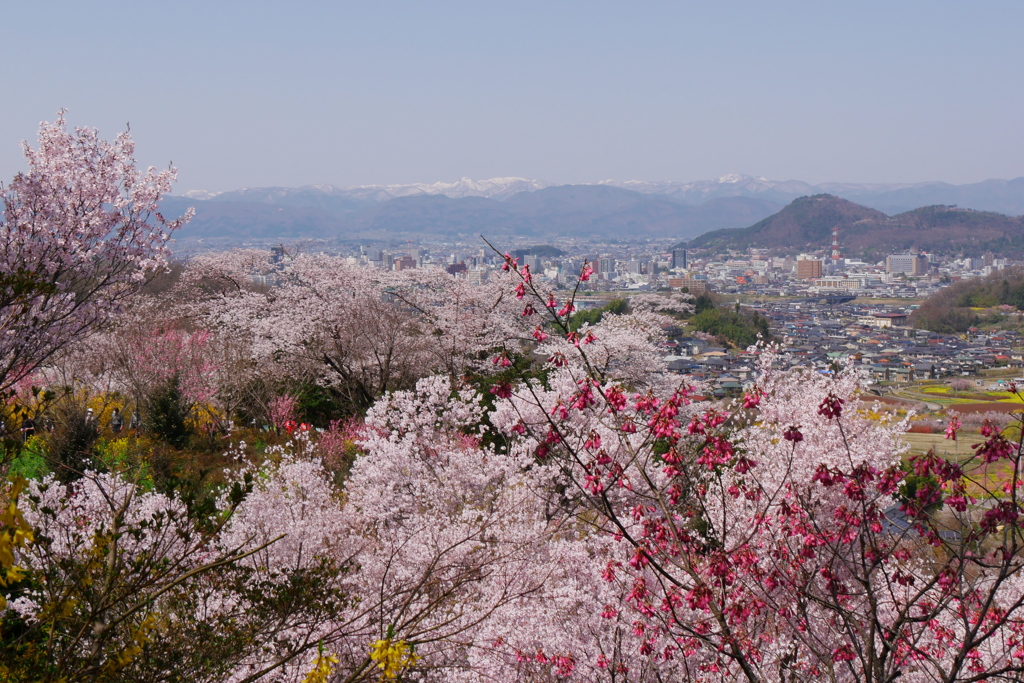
(806, 225)
(497, 188)
(608, 209)
(1001, 196)
(586, 211)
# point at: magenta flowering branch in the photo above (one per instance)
(771, 544)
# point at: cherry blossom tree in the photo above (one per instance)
(471, 566)
(671, 303)
(449, 536)
(359, 331)
(460, 321)
(105, 576)
(81, 231)
(146, 352)
(959, 384)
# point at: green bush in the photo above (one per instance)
(320, 405)
(70, 445)
(128, 457)
(168, 418)
(30, 460)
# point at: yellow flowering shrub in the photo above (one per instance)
(322, 666)
(392, 657)
(15, 532)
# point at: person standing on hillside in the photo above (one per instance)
(116, 421)
(28, 428)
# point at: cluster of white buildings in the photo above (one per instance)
(629, 267)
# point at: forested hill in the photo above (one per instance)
(972, 302)
(806, 224)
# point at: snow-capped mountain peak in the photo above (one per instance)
(200, 194)
(464, 187)
(734, 178)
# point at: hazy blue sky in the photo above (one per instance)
(260, 93)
